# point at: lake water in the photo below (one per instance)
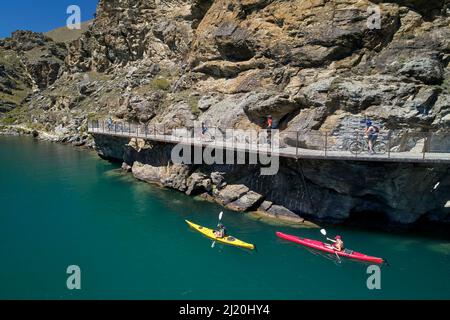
(64, 206)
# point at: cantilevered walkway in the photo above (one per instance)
(421, 147)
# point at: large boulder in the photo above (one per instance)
(426, 69)
(173, 176)
(248, 201)
(198, 183)
(258, 106)
(231, 193)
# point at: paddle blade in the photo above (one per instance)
(323, 231)
(220, 215)
(213, 244)
(338, 259)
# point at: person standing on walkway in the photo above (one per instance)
(109, 122)
(371, 135)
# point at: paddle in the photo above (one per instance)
(220, 218)
(324, 232)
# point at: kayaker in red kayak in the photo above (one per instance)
(338, 244)
(322, 246)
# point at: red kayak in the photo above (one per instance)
(322, 247)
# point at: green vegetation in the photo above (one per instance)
(35, 54)
(160, 83)
(336, 83)
(64, 91)
(169, 73)
(35, 126)
(16, 115)
(17, 95)
(9, 98)
(72, 88)
(8, 120)
(92, 116)
(98, 76)
(18, 112)
(186, 96)
(9, 58)
(401, 60)
(446, 85)
(193, 104)
(17, 74)
(142, 90)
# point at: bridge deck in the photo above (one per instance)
(286, 151)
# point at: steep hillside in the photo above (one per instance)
(14, 82)
(28, 62)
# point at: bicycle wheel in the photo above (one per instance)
(380, 147)
(356, 147)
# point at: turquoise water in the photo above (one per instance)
(63, 206)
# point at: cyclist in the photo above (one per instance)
(204, 128)
(371, 134)
(269, 129)
(205, 131)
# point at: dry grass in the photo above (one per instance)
(66, 35)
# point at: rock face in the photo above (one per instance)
(131, 30)
(316, 66)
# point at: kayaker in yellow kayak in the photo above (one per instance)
(221, 232)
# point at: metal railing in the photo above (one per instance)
(395, 145)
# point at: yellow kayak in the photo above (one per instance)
(227, 240)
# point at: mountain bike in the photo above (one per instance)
(207, 136)
(360, 145)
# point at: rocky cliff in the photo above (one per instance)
(311, 64)
(29, 61)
